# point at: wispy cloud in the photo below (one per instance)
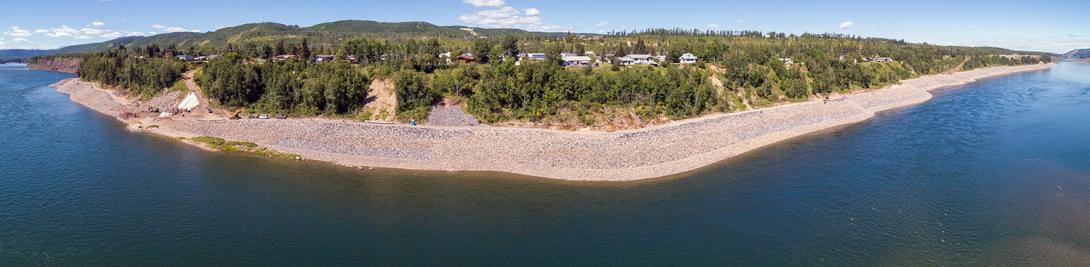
(92, 31)
(845, 25)
(713, 26)
(168, 29)
(484, 3)
(97, 23)
(17, 32)
(63, 31)
(500, 15)
(1053, 44)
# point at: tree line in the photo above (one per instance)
(294, 87)
(132, 73)
(734, 67)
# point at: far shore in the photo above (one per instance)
(652, 152)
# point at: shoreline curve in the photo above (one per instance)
(629, 155)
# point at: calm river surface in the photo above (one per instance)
(992, 173)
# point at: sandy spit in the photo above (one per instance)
(652, 152)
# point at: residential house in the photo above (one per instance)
(324, 58)
(575, 61)
(529, 56)
(465, 58)
(283, 57)
(877, 59)
(638, 59)
(446, 57)
(687, 58)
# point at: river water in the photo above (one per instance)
(991, 173)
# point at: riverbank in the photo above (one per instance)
(652, 152)
(58, 64)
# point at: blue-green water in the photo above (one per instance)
(992, 173)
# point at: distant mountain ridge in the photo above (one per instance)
(1077, 54)
(269, 32)
(20, 55)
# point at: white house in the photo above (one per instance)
(687, 58)
(877, 59)
(324, 58)
(576, 61)
(638, 59)
(283, 57)
(529, 56)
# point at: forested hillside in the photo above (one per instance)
(325, 35)
(273, 68)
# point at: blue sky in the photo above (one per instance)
(1044, 25)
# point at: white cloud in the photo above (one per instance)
(738, 21)
(97, 23)
(82, 37)
(169, 29)
(504, 16)
(63, 31)
(845, 25)
(110, 35)
(713, 26)
(92, 31)
(1054, 44)
(20, 39)
(135, 34)
(17, 32)
(484, 3)
(601, 24)
(41, 31)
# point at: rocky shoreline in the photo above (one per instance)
(652, 152)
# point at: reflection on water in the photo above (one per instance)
(992, 173)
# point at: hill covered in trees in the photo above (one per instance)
(21, 55)
(325, 35)
(272, 68)
(1077, 54)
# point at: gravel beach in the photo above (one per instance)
(651, 152)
